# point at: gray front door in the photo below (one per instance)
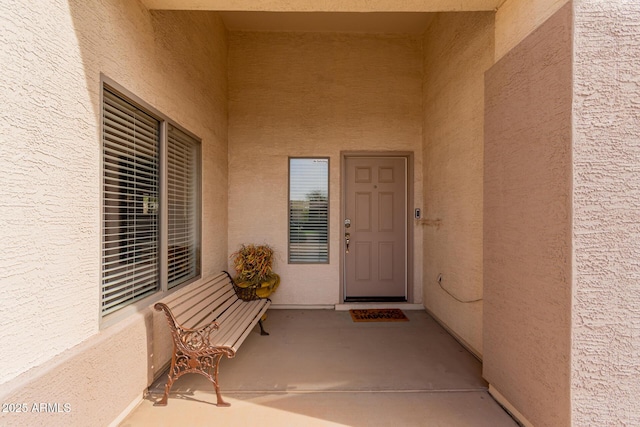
(375, 229)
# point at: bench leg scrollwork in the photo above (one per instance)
(204, 364)
(193, 354)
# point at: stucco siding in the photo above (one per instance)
(516, 19)
(90, 384)
(606, 161)
(49, 218)
(52, 56)
(527, 224)
(458, 49)
(312, 94)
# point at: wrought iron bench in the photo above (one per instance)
(207, 322)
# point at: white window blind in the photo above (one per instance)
(131, 141)
(309, 210)
(183, 216)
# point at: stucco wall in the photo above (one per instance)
(606, 161)
(527, 224)
(51, 57)
(312, 94)
(516, 19)
(458, 49)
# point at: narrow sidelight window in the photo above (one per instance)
(308, 210)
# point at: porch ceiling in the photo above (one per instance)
(375, 16)
(339, 22)
(327, 5)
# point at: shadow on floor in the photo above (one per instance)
(318, 367)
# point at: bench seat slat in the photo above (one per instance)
(200, 298)
(217, 312)
(178, 299)
(210, 307)
(234, 321)
(239, 340)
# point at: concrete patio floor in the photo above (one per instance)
(319, 368)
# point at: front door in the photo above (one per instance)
(375, 229)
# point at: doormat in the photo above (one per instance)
(378, 315)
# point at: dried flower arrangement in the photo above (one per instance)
(254, 274)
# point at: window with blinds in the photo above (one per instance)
(182, 190)
(151, 202)
(131, 143)
(308, 210)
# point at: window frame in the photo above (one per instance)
(106, 320)
(197, 208)
(328, 224)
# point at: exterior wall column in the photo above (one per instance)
(605, 356)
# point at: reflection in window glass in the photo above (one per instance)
(183, 217)
(131, 156)
(309, 210)
(133, 186)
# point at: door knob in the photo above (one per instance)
(347, 239)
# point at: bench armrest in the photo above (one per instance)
(197, 339)
(192, 340)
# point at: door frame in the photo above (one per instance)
(408, 155)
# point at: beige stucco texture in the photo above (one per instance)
(458, 48)
(527, 224)
(521, 121)
(605, 357)
(52, 58)
(516, 19)
(307, 95)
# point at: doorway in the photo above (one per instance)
(375, 227)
